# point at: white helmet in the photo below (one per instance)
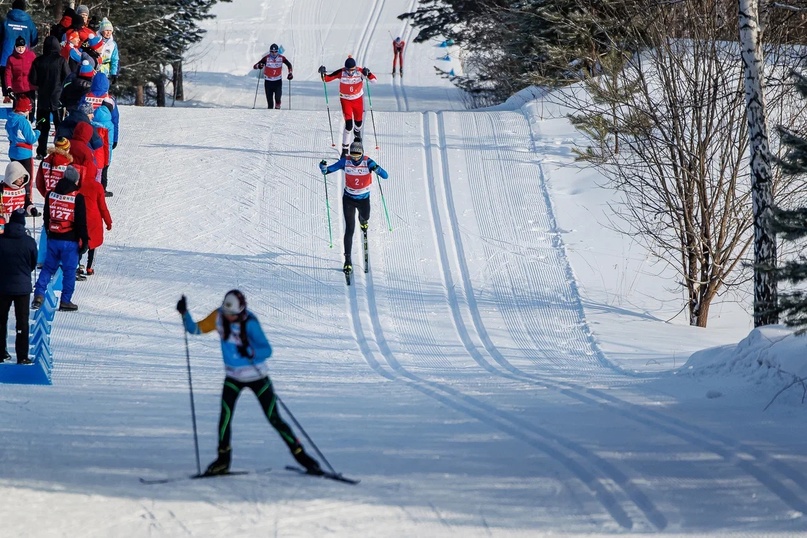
(234, 303)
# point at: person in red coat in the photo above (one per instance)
(81, 152)
(16, 74)
(97, 217)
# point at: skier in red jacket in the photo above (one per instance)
(397, 55)
(351, 95)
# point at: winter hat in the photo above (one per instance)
(350, 63)
(18, 4)
(62, 143)
(71, 174)
(95, 42)
(356, 149)
(105, 25)
(86, 70)
(273, 47)
(86, 108)
(234, 303)
(23, 104)
(71, 35)
(83, 10)
(20, 42)
(18, 216)
(14, 171)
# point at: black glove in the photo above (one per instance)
(114, 145)
(33, 211)
(182, 306)
(113, 79)
(365, 71)
(373, 167)
(259, 65)
(244, 351)
(290, 76)
(10, 92)
(322, 70)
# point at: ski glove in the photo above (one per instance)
(244, 351)
(10, 92)
(365, 71)
(182, 306)
(373, 167)
(258, 65)
(322, 70)
(33, 211)
(290, 76)
(323, 167)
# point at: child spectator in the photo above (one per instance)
(18, 252)
(48, 74)
(97, 217)
(21, 138)
(109, 53)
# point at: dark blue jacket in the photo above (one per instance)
(17, 23)
(18, 252)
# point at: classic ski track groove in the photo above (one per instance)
(727, 449)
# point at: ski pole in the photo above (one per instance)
(258, 85)
(372, 116)
(289, 94)
(328, 107)
(193, 406)
(288, 412)
(328, 209)
(383, 201)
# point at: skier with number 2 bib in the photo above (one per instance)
(359, 170)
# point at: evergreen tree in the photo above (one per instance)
(791, 225)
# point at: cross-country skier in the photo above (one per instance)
(272, 65)
(245, 349)
(397, 55)
(351, 95)
(359, 170)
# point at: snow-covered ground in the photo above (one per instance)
(506, 368)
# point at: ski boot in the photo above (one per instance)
(348, 267)
(222, 463)
(277, 105)
(364, 226)
(310, 464)
(67, 306)
(5, 356)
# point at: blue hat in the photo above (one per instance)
(87, 69)
(350, 63)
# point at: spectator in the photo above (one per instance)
(83, 19)
(71, 50)
(52, 168)
(65, 219)
(69, 17)
(76, 85)
(18, 252)
(81, 151)
(48, 74)
(97, 217)
(18, 67)
(21, 138)
(102, 119)
(109, 53)
(16, 24)
(15, 192)
(81, 114)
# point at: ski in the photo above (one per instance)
(366, 253)
(170, 479)
(325, 474)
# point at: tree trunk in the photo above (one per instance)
(140, 95)
(160, 84)
(179, 91)
(761, 191)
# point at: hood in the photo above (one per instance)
(14, 170)
(82, 132)
(102, 115)
(13, 230)
(20, 16)
(100, 84)
(51, 46)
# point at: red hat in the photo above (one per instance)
(95, 42)
(67, 21)
(23, 104)
(70, 34)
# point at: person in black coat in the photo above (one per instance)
(48, 73)
(18, 252)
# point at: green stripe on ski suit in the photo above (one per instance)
(268, 385)
(228, 413)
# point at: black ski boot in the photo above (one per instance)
(310, 464)
(222, 463)
(5, 356)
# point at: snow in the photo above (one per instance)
(509, 367)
